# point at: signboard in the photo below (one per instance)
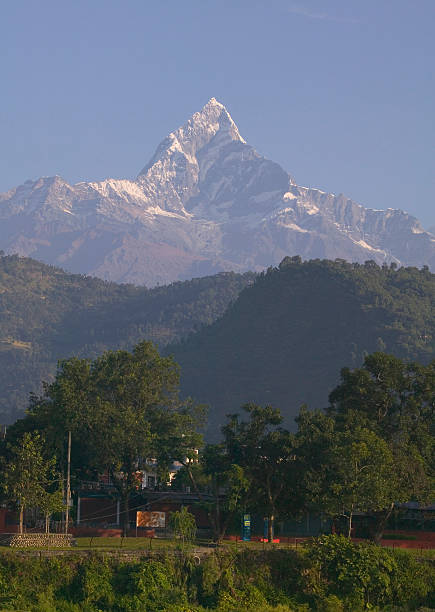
(150, 519)
(246, 527)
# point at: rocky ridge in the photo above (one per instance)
(206, 202)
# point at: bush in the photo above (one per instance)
(332, 575)
(153, 587)
(93, 584)
(365, 575)
(183, 524)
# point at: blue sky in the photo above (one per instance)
(340, 92)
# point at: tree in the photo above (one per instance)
(183, 524)
(229, 485)
(222, 486)
(49, 503)
(395, 397)
(123, 407)
(361, 475)
(311, 474)
(65, 416)
(266, 453)
(139, 415)
(395, 400)
(27, 474)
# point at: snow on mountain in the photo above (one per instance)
(205, 202)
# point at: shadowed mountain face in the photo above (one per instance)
(206, 202)
(285, 339)
(47, 314)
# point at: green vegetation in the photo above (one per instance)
(296, 324)
(332, 574)
(364, 576)
(47, 315)
(372, 448)
(183, 526)
(30, 479)
(265, 452)
(120, 410)
(395, 401)
(285, 339)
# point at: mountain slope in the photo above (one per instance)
(47, 314)
(206, 202)
(285, 339)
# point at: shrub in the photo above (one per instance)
(93, 584)
(151, 586)
(183, 524)
(413, 582)
(365, 575)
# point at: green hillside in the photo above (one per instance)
(283, 341)
(287, 336)
(47, 314)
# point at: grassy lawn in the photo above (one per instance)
(126, 543)
(156, 544)
(151, 544)
(139, 543)
(420, 553)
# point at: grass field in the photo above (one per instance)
(126, 543)
(162, 545)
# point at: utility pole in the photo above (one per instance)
(68, 483)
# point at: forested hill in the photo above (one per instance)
(47, 314)
(285, 339)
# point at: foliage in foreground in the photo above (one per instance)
(333, 575)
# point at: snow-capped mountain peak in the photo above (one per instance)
(173, 173)
(206, 202)
(196, 133)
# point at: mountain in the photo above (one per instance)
(285, 339)
(279, 337)
(205, 202)
(47, 314)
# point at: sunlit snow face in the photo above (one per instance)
(206, 201)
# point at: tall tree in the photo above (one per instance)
(313, 440)
(361, 475)
(266, 453)
(396, 401)
(63, 407)
(122, 408)
(222, 486)
(139, 415)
